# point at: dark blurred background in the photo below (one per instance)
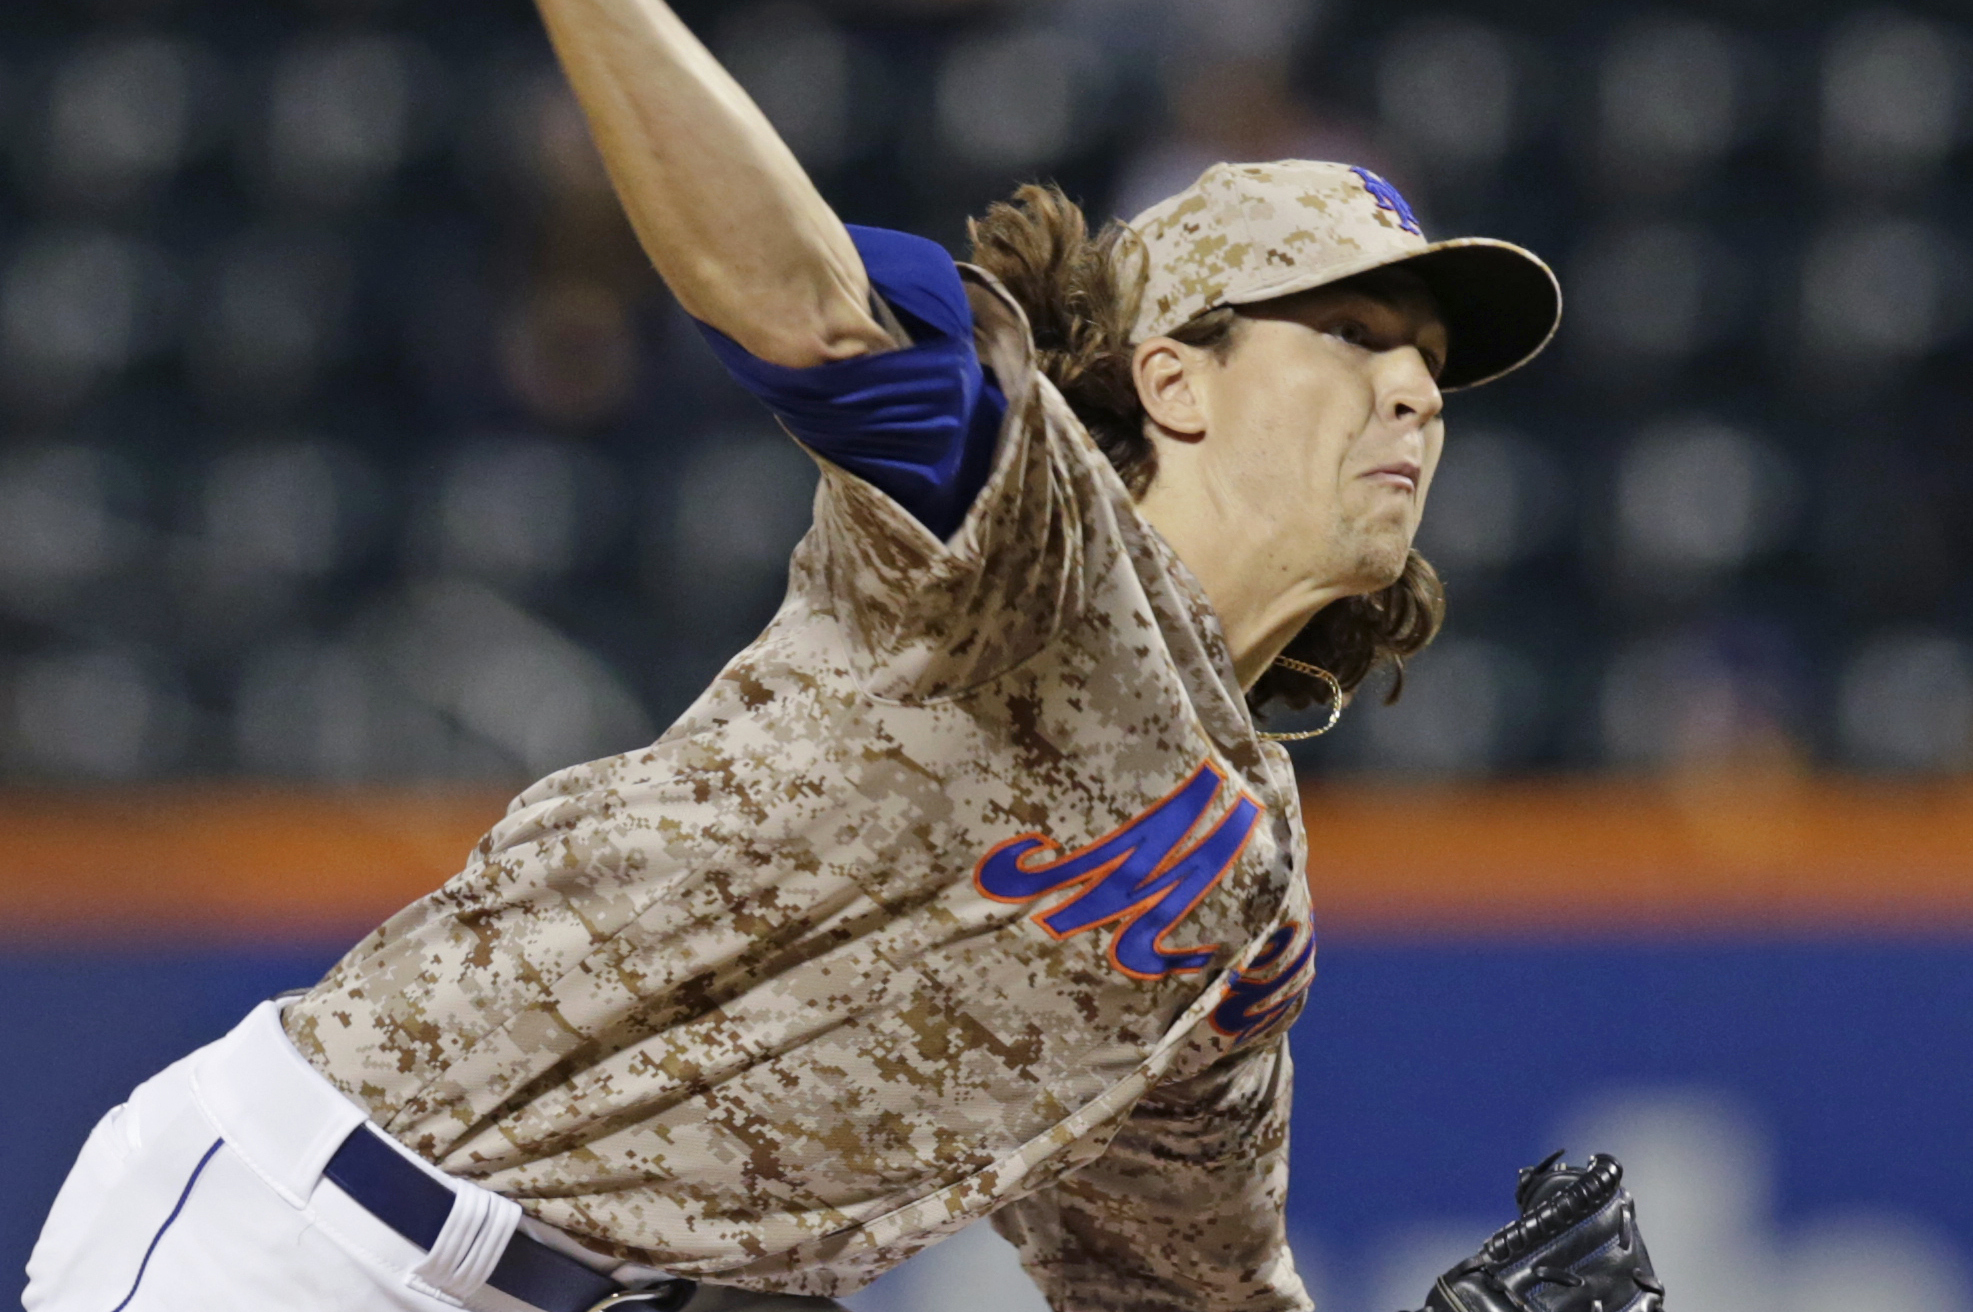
(348, 436)
(349, 449)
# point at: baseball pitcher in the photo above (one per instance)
(971, 889)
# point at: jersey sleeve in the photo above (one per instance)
(926, 619)
(1183, 1212)
(918, 423)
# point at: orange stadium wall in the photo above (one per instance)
(1701, 855)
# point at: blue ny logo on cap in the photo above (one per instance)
(1388, 199)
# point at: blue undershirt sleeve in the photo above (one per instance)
(918, 423)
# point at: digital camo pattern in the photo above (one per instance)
(735, 1006)
(1249, 232)
(1246, 233)
(1129, 1231)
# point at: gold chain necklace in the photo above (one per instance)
(1335, 700)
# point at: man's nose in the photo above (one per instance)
(1407, 391)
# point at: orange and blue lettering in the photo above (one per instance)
(1140, 877)
(1257, 1000)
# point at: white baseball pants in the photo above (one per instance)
(204, 1193)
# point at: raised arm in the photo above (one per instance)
(719, 202)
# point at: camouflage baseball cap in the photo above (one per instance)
(1251, 232)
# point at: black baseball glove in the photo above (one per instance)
(1575, 1249)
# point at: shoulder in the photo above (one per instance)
(1001, 333)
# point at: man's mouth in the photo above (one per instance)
(1399, 474)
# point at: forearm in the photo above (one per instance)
(722, 207)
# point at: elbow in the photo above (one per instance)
(803, 346)
(791, 314)
(794, 327)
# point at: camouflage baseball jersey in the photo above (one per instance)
(966, 889)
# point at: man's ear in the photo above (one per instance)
(1167, 375)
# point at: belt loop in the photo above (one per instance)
(476, 1233)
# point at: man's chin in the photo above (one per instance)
(1381, 566)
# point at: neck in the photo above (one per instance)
(1259, 587)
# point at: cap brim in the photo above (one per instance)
(1501, 304)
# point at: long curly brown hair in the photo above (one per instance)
(1081, 301)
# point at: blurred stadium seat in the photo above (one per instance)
(377, 229)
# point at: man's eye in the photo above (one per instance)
(1349, 330)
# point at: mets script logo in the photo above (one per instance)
(1266, 993)
(1141, 877)
(1389, 199)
